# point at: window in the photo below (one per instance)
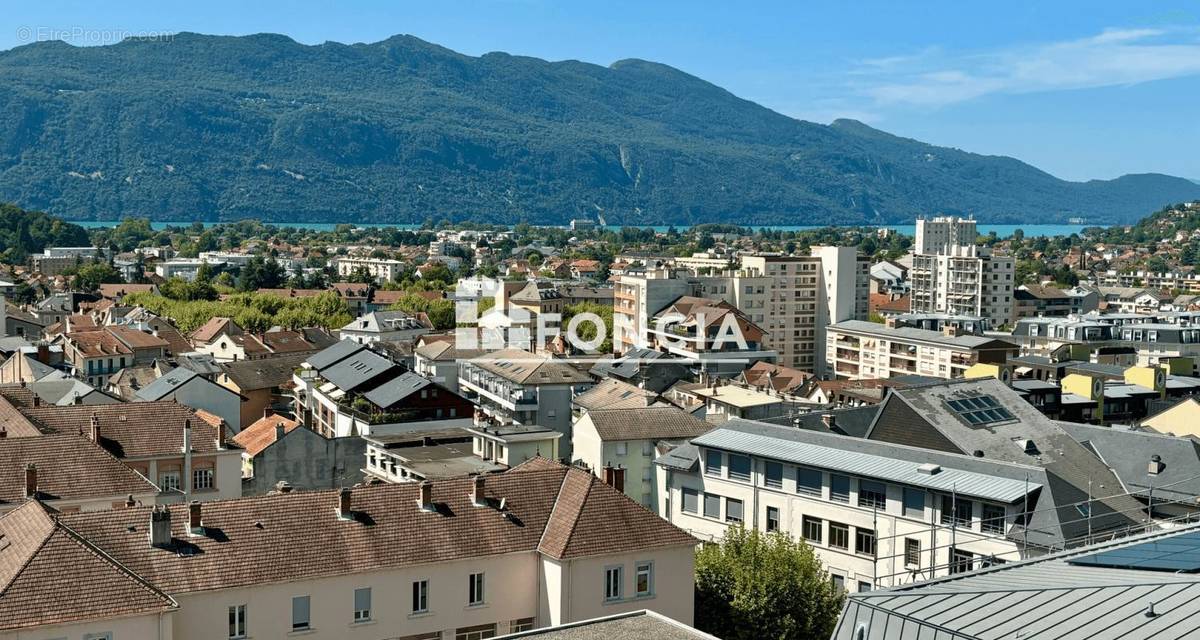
(914, 503)
(300, 613)
(691, 501)
(993, 518)
(864, 541)
(644, 579)
(912, 552)
(773, 472)
(712, 506)
(839, 488)
(772, 519)
(980, 410)
(202, 479)
(169, 480)
(420, 596)
(739, 467)
(622, 448)
(839, 582)
(960, 561)
(812, 528)
(237, 621)
(362, 604)
(864, 586)
(956, 511)
(475, 589)
(477, 632)
(647, 448)
(712, 463)
(872, 495)
(520, 624)
(808, 482)
(612, 583)
(839, 535)
(733, 510)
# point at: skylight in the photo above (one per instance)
(980, 410)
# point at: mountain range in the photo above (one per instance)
(198, 127)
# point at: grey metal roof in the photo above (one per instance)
(167, 384)
(891, 463)
(1047, 597)
(333, 354)
(1128, 452)
(397, 389)
(358, 369)
(916, 335)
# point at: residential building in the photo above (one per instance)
(438, 359)
(264, 384)
(278, 453)
(185, 268)
(941, 234)
(381, 269)
(866, 350)
(150, 437)
(69, 473)
(512, 444)
(965, 281)
(1032, 301)
(191, 389)
(417, 456)
(470, 558)
(620, 445)
(636, 624)
(717, 337)
(518, 387)
(386, 325)
(1136, 588)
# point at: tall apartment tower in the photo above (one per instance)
(792, 298)
(951, 275)
(941, 234)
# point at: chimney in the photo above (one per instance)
(477, 497)
(614, 477)
(43, 353)
(268, 411)
(344, 511)
(425, 502)
(187, 459)
(3, 431)
(279, 431)
(130, 502)
(1156, 467)
(78, 398)
(829, 420)
(31, 487)
(427, 441)
(222, 431)
(95, 428)
(160, 527)
(195, 524)
(37, 402)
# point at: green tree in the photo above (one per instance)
(756, 585)
(89, 277)
(260, 274)
(587, 330)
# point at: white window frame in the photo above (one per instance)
(305, 624)
(645, 567)
(237, 621)
(614, 578)
(420, 596)
(476, 595)
(362, 614)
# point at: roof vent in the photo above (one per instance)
(1028, 446)
(1157, 466)
(929, 469)
(425, 502)
(1150, 612)
(978, 453)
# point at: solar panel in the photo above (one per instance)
(1179, 553)
(980, 410)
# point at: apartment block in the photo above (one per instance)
(382, 269)
(943, 233)
(858, 350)
(967, 282)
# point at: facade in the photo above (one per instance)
(70, 473)
(517, 558)
(385, 325)
(277, 449)
(941, 234)
(382, 269)
(191, 389)
(866, 350)
(967, 282)
(519, 387)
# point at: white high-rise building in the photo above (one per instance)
(943, 233)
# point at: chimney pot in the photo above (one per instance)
(344, 511)
(195, 525)
(477, 497)
(426, 500)
(279, 431)
(160, 527)
(31, 480)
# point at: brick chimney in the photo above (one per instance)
(425, 501)
(94, 434)
(43, 353)
(222, 433)
(160, 527)
(344, 511)
(130, 502)
(614, 477)
(31, 480)
(477, 497)
(829, 420)
(195, 523)
(268, 411)
(279, 431)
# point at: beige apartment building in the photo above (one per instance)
(462, 559)
(951, 275)
(858, 350)
(792, 298)
(382, 269)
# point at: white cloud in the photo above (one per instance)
(1114, 57)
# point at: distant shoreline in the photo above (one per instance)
(1002, 230)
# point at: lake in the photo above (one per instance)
(1002, 230)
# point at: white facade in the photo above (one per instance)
(964, 283)
(382, 269)
(941, 234)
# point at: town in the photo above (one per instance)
(457, 431)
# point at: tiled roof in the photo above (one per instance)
(213, 328)
(14, 423)
(69, 467)
(118, 290)
(94, 344)
(46, 567)
(524, 367)
(135, 339)
(650, 423)
(263, 373)
(611, 393)
(261, 434)
(298, 536)
(286, 342)
(134, 429)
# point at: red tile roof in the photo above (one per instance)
(69, 467)
(261, 434)
(134, 429)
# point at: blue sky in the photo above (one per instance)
(1081, 89)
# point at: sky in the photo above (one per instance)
(1083, 90)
